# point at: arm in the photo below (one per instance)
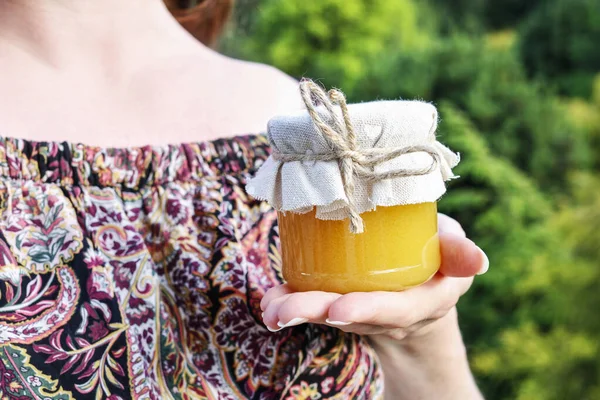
(431, 365)
(415, 332)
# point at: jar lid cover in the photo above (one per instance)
(346, 160)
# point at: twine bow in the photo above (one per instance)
(341, 138)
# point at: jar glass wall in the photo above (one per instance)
(398, 250)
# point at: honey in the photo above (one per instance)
(399, 249)
(371, 173)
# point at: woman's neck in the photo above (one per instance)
(108, 34)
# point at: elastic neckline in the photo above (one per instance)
(78, 164)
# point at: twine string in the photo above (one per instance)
(341, 138)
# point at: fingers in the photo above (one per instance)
(270, 317)
(450, 225)
(284, 309)
(297, 308)
(375, 312)
(399, 309)
(369, 312)
(294, 309)
(274, 293)
(461, 257)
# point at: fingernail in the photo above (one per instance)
(273, 330)
(262, 315)
(337, 323)
(486, 263)
(293, 322)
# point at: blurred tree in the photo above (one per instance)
(460, 15)
(482, 15)
(334, 40)
(560, 42)
(554, 352)
(500, 14)
(241, 27)
(505, 213)
(520, 119)
(528, 192)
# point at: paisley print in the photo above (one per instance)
(36, 225)
(138, 273)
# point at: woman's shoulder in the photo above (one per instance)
(234, 96)
(262, 90)
(193, 93)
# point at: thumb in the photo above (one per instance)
(461, 257)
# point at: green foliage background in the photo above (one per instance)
(517, 84)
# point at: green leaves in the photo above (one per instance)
(560, 42)
(520, 120)
(334, 40)
(530, 170)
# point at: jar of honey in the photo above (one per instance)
(355, 188)
(398, 250)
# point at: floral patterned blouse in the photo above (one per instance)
(137, 274)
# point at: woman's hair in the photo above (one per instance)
(204, 19)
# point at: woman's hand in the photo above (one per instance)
(416, 326)
(393, 314)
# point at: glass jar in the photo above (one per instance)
(399, 249)
(356, 189)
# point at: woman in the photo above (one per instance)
(135, 268)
